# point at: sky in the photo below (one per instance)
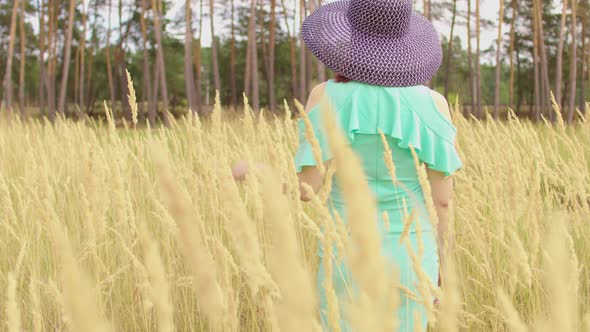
(489, 10)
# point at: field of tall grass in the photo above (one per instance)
(108, 229)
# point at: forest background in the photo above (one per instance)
(67, 56)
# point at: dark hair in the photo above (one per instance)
(341, 79)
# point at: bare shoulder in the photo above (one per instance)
(441, 103)
(315, 96)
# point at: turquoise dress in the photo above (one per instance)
(408, 117)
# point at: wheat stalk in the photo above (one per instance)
(513, 320)
(159, 289)
(197, 255)
(78, 196)
(13, 313)
(132, 98)
(376, 300)
(296, 307)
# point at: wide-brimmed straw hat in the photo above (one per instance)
(378, 42)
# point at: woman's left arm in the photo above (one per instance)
(309, 175)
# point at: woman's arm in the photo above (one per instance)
(309, 175)
(442, 192)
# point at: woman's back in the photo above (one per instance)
(407, 117)
(389, 196)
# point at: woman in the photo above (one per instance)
(383, 52)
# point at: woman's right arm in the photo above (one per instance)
(442, 194)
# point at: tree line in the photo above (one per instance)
(67, 56)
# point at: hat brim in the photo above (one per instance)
(412, 59)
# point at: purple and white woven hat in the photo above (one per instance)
(378, 42)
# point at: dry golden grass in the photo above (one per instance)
(145, 230)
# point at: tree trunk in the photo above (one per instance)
(271, 57)
(477, 59)
(41, 7)
(160, 60)
(498, 62)
(248, 70)
(252, 60)
(23, 58)
(519, 79)
(77, 57)
(232, 59)
(120, 67)
(559, 66)
(51, 60)
(76, 74)
(573, 66)
(83, 53)
(89, 80)
(108, 59)
(89, 94)
(292, 52)
(546, 87)
(320, 68)
(66, 62)
(214, 58)
(147, 81)
(120, 17)
(8, 73)
(302, 59)
(263, 48)
(472, 91)
(198, 76)
(584, 110)
(197, 62)
(512, 41)
(120, 63)
(450, 51)
(153, 115)
(586, 104)
(189, 79)
(587, 59)
(537, 109)
(583, 72)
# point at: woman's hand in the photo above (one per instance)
(436, 301)
(240, 170)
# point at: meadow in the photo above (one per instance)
(107, 229)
